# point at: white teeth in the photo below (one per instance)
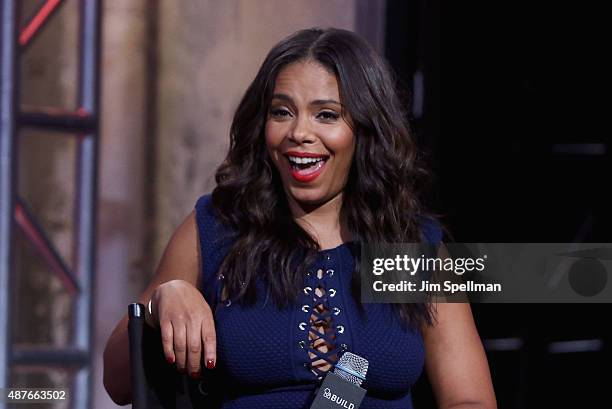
(296, 159)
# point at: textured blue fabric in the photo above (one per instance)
(263, 350)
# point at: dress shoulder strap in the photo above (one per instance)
(215, 241)
(431, 231)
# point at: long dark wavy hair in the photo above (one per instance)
(381, 197)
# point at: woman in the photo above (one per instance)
(262, 277)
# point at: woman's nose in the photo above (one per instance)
(301, 132)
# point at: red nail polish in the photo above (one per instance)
(195, 375)
(170, 360)
(210, 364)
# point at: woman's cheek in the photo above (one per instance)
(274, 135)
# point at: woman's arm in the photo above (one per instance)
(184, 316)
(455, 360)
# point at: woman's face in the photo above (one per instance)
(307, 137)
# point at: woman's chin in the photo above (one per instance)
(311, 198)
(308, 197)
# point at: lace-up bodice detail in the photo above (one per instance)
(324, 338)
(323, 348)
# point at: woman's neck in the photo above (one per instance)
(322, 221)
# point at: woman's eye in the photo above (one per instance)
(280, 113)
(328, 115)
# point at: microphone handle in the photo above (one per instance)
(337, 393)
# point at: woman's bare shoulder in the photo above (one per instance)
(181, 258)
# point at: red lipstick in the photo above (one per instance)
(306, 154)
(305, 172)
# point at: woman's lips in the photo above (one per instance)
(309, 174)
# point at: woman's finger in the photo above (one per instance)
(194, 347)
(168, 341)
(180, 345)
(209, 339)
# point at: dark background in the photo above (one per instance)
(515, 126)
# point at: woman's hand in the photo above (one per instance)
(177, 307)
(186, 324)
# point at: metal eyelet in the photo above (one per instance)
(330, 272)
(307, 290)
(221, 277)
(332, 292)
(306, 308)
(308, 273)
(202, 388)
(328, 257)
(340, 329)
(302, 326)
(336, 310)
(302, 344)
(228, 302)
(343, 347)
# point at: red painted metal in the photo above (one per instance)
(39, 20)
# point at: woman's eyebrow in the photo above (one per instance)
(325, 101)
(316, 102)
(287, 98)
(283, 97)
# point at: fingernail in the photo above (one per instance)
(195, 375)
(170, 360)
(210, 364)
(182, 370)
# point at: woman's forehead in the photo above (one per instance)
(307, 79)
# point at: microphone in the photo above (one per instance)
(342, 387)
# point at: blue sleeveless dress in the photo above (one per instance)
(263, 351)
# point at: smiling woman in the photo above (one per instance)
(307, 134)
(321, 159)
